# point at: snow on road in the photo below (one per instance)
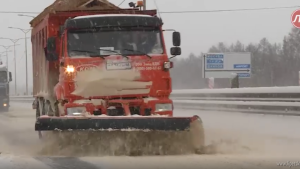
(242, 141)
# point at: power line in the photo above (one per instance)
(121, 3)
(232, 10)
(170, 12)
(18, 12)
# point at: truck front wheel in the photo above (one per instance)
(51, 111)
(37, 110)
(37, 115)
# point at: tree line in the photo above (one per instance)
(273, 64)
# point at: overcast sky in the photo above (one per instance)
(199, 30)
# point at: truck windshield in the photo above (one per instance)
(103, 42)
(3, 77)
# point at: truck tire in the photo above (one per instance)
(40, 106)
(37, 115)
(48, 109)
(37, 110)
(56, 110)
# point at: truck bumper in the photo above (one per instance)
(122, 107)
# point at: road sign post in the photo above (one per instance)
(211, 82)
(235, 81)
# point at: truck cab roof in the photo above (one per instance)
(111, 15)
(112, 20)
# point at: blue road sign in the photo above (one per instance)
(214, 61)
(215, 66)
(241, 66)
(214, 56)
(243, 74)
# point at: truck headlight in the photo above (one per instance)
(163, 107)
(76, 111)
(70, 69)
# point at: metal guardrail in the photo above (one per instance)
(280, 94)
(250, 90)
(21, 98)
(262, 100)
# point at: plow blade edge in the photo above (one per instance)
(114, 123)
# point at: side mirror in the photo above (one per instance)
(50, 50)
(176, 39)
(175, 51)
(10, 76)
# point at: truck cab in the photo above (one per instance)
(119, 43)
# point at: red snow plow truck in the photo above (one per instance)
(100, 67)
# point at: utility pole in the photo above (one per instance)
(7, 74)
(1, 54)
(6, 51)
(15, 44)
(6, 54)
(25, 31)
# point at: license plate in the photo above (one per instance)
(118, 65)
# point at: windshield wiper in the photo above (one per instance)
(140, 52)
(114, 52)
(102, 56)
(88, 51)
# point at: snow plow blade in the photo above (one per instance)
(115, 123)
(121, 135)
